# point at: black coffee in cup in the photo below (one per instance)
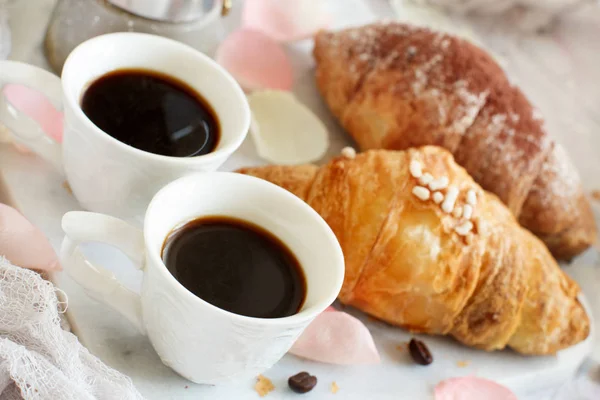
(152, 112)
(236, 266)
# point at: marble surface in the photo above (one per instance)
(558, 71)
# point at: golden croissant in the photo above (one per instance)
(428, 249)
(395, 86)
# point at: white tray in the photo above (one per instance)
(38, 191)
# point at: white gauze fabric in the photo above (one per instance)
(38, 359)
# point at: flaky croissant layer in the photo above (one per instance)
(429, 250)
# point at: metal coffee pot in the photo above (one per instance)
(194, 22)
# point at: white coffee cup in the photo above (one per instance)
(201, 342)
(106, 175)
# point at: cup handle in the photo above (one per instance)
(101, 284)
(28, 96)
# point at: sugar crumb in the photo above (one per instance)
(348, 152)
(402, 346)
(334, 387)
(462, 364)
(263, 386)
(67, 187)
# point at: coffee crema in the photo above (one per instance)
(236, 266)
(152, 112)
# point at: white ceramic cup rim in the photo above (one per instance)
(295, 202)
(237, 92)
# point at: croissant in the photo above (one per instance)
(395, 86)
(429, 250)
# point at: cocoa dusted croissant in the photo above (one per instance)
(429, 250)
(394, 86)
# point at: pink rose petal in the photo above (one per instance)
(255, 61)
(472, 388)
(35, 105)
(337, 338)
(285, 20)
(23, 244)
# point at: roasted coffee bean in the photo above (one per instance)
(419, 352)
(302, 382)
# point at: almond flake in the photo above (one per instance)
(467, 211)
(415, 169)
(425, 179)
(421, 192)
(464, 228)
(451, 196)
(471, 197)
(348, 152)
(439, 184)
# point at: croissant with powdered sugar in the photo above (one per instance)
(395, 86)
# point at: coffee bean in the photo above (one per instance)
(302, 382)
(419, 352)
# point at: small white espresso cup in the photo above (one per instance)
(105, 174)
(201, 342)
